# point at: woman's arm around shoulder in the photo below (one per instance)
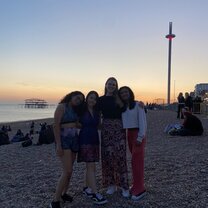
(142, 123)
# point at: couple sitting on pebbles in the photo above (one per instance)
(121, 116)
(191, 126)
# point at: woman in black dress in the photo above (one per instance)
(89, 146)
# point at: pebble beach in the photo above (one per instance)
(176, 170)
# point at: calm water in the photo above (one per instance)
(13, 112)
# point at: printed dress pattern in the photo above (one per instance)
(113, 152)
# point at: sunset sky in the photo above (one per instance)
(49, 47)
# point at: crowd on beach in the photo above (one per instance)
(26, 138)
(153, 106)
(19, 135)
(119, 117)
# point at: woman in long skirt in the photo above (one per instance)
(113, 141)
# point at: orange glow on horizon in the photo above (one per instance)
(54, 96)
(18, 93)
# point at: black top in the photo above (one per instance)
(189, 102)
(181, 100)
(192, 123)
(108, 107)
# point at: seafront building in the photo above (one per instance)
(201, 89)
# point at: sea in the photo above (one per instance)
(17, 112)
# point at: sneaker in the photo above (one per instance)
(111, 190)
(87, 192)
(55, 204)
(125, 193)
(138, 196)
(99, 199)
(67, 198)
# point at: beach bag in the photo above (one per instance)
(172, 127)
(27, 143)
(174, 132)
(168, 128)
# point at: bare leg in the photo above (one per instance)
(67, 184)
(90, 176)
(67, 163)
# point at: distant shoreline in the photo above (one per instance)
(16, 113)
(26, 121)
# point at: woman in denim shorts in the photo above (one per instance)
(66, 139)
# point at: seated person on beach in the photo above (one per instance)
(4, 138)
(18, 137)
(27, 137)
(191, 126)
(43, 126)
(46, 136)
(19, 133)
(4, 129)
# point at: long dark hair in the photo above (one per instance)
(180, 95)
(67, 98)
(114, 79)
(131, 101)
(90, 93)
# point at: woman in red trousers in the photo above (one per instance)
(134, 121)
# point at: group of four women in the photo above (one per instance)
(119, 117)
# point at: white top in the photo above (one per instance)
(135, 118)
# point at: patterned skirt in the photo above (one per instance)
(113, 153)
(88, 153)
(89, 145)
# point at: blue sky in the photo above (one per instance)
(51, 47)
